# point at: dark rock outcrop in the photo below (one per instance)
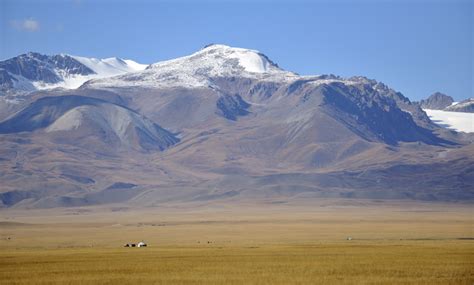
(437, 101)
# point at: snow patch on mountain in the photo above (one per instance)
(251, 60)
(110, 66)
(461, 122)
(135, 66)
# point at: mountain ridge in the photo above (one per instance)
(231, 134)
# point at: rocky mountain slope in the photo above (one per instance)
(437, 101)
(226, 125)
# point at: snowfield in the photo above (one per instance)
(458, 121)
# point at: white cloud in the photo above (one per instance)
(30, 25)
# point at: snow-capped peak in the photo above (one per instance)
(220, 60)
(250, 60)
(200, 69)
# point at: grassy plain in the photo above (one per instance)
(241, 244)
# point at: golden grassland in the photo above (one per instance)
(275, 244)
(326, 263)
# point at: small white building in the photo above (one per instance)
(141, 244)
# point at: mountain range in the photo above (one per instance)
(221, 125)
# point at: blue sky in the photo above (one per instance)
(416, 47)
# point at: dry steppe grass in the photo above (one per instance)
(276, 244)
(444, 262)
